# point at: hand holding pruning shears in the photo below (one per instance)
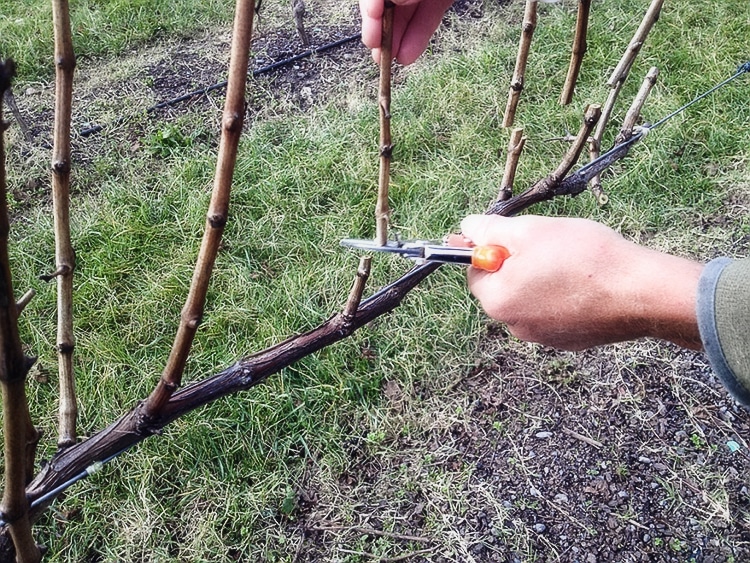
(454, 250)
(567, 283)
(575, 283)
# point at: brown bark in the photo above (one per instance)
(515, 147)
(232, 121)
(382, 208)
(299, 10)
(631, 117)
(634, 47)
(64, 257)
(616, 82)
(358, 288)
(20, 437)
(577, 53)
(24, 300)
(595, 185)
(620, 74)
(517, 82)
(549, 187)
(25, 129)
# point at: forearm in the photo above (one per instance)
(664, 296)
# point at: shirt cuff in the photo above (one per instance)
(706, 313)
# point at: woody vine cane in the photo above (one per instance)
(20, 436)
(382, 209)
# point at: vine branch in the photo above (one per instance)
(382, 208)
(634, 112)
(616, 82)
(577, 53)
(231, 129)
(515, 147)
(65, 63)
(20, 436)
(553, 184)
(517, 82)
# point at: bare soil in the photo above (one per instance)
(624, 453)
(631, 452)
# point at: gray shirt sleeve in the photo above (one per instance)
(723, 310)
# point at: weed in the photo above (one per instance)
(168, 140)
(698, 441)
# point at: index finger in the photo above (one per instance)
(484, 229)
(372, 16)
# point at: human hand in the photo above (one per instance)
(414, 22)
(574, 283)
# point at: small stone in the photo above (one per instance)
(725, 415)
(31, 91)
(477, 549)
(543, 435)
(561, 497)
(539, 528)
(644, 459)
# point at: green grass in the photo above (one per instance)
(100, 29)
(219, 483)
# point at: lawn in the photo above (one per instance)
(430, 434)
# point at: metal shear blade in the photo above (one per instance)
(410, 249)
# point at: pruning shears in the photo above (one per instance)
(488, 258)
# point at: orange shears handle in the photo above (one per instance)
(489, 258)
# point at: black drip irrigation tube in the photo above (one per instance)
(219, 85)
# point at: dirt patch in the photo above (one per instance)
(626, 453)
(177, 88)
(159, 80)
